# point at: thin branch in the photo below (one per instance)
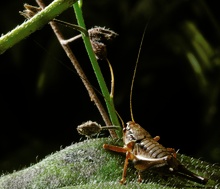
(93, 59)
(80, 72)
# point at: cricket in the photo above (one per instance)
(145, 151)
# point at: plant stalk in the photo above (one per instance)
(35, 23)
(97, 71)
(80, 72)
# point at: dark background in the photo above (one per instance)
(42, 99)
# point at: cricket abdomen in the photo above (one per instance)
(151, 149)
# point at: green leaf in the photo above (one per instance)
(87, 165)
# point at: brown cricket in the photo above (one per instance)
(145, 151)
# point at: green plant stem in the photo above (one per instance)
(35, 23)
(98, 73)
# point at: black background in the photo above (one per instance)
(42, 99)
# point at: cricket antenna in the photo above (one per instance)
(135, 70)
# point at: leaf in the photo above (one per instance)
(87, 165)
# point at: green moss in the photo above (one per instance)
(88, 165)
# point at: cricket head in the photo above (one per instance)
(134, 132)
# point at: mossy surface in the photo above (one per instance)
(87, 165)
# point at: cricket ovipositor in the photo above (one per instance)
(145, 152)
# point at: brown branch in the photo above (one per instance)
(80, 72)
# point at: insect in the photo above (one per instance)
(146, 152)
